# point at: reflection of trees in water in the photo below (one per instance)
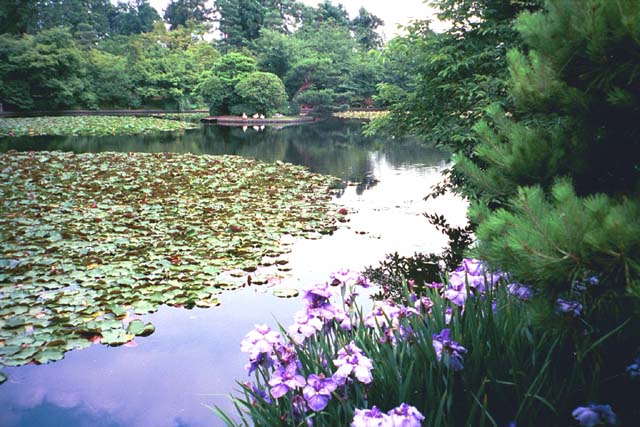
(332, 147)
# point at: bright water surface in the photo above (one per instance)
(193, 359)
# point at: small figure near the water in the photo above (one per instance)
(244, 116)
(262, 116)
(256, 128)
(256, 116)
(244, 128)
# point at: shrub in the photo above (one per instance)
(262, 92)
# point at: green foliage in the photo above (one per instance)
(218, 86)
(262, 92)
(564, 172)
(513, 372)
(444, 82)
(52, 64)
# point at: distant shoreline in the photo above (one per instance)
(236, 120)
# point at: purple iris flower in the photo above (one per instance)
(456, 293)
(371, 418)
(287, 355)
(424, 302)
(452, 351)
(258, 393)
(406, 416)
(593, 414)
(260, 344)
(383, 312)
(435, 285)
(633, 370)
(352, 359)
(318, 391)
(305, 326)
(285, 379)
(299, 406)
(349, 278)
(471, 266)
(262, 359)
(317, 301)
(520, 291)
(573, 308)
(448, 314)
(344, 319)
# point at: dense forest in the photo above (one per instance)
(68, 54)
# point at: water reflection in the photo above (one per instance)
(193, 358)
(333, 147)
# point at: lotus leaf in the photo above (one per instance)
(88, 239)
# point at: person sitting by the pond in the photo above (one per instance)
(262, 116)
(244, 116)
(256, 116)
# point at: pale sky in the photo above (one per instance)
(392, 12)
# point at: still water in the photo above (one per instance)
(193, 360)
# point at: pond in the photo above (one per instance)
(193, 358)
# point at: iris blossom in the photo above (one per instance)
(371, 418)
(316, 299)
(574, 308)
(285, 379)
(318, 391)
(352, 359)
(349, 278)
(452, 351)
(593, 415)
(260, 344)
(406, 416)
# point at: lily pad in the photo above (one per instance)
(286, 293)
(115, 337)
(88, 238)
(139, 328)
(49, 355)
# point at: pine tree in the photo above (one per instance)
(560, 178)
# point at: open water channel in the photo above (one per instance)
(193, 359)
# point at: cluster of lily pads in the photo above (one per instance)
(361, 115)
(462, 354)
(89, 125)
(88, 241)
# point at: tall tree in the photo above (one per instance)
(240, 21)
(458, 73)
(71, 13)
(178, 12)
(43, 71)
(364, 27)
(133, 17)
(328, 12)
(18, 16)
(565, 173)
